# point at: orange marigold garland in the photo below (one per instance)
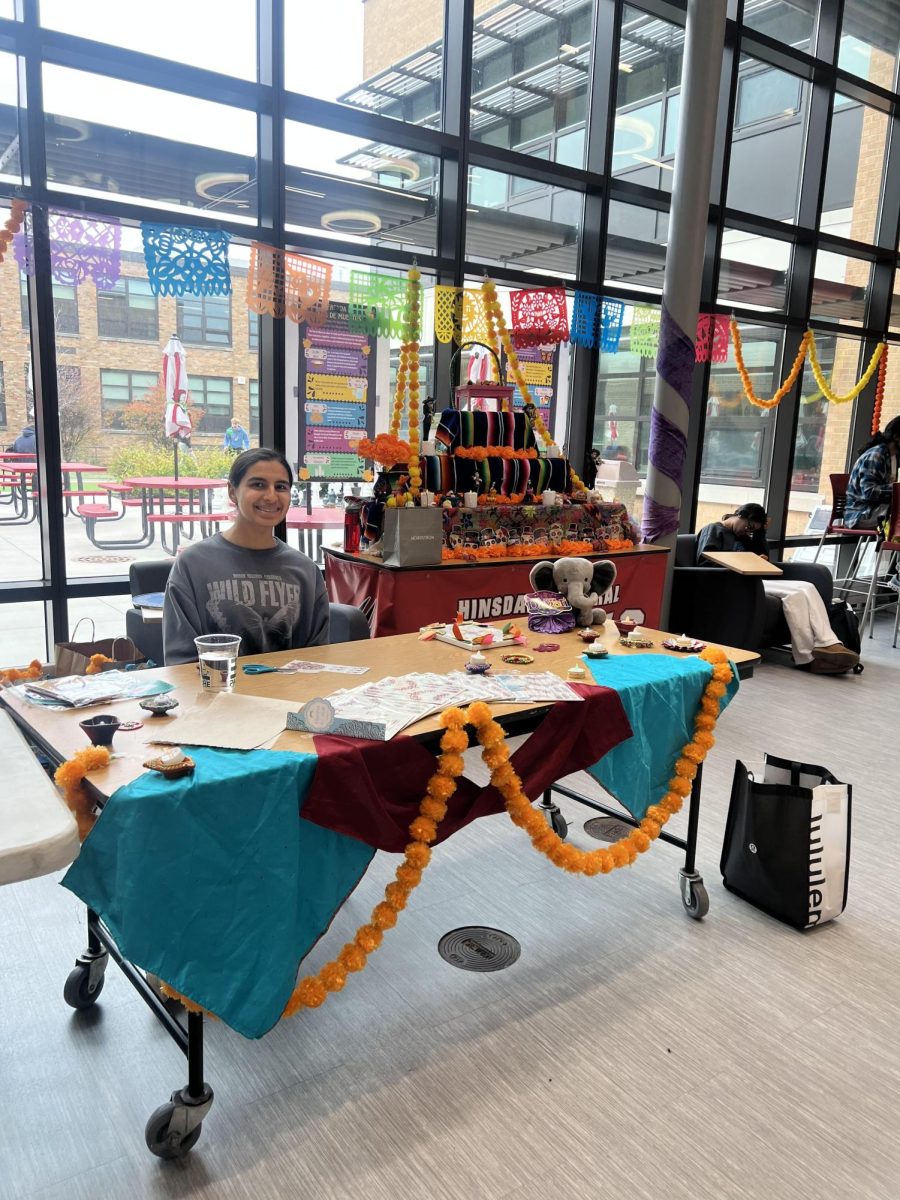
(69, 777)
(879, 391)
(312, 991)
(480, 453)
(34, 670)
(625, 851)
(534, 550)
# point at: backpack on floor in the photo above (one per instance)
(845, 623)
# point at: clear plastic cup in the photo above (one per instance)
(217, 654)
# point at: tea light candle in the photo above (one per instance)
(478, 663)
(577, 673)
(426, 499)
(553, 451)
(684, 640)
(635, 635)
(470, 499)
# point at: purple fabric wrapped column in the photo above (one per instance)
(704, 43)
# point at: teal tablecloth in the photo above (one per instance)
(660, 695)
(214, 884)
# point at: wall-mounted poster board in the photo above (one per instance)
(336, 396)
(540, 366)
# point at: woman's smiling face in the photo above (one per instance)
(263, 496)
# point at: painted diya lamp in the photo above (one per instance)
(478, 664)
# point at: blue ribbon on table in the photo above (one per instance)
(215, 883)
(660, 695)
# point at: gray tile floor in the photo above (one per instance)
(630, 1052)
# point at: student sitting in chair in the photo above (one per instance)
(813, 643)
(246, 581)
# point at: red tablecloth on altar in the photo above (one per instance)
(405, 599)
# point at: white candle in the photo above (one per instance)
(426, 499)
(428, 448)
(470, 499)
(553, 451)
(549, 499)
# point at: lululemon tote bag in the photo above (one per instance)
(787, 841)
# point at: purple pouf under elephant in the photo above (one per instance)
(579, 581)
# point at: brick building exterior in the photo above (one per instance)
(109, 346)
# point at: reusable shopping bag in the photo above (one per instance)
(72, 658)
(413, 537)
(787, 841)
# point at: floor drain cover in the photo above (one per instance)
(607, 829)
(477, 948)
(105, 558)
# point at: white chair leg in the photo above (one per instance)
(896, 623)
(819, 547)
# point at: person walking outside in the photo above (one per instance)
(236, 437)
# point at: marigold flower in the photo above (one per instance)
(333, 976)
(418, 855)
(397, 896)
(352, 957)
(640, 841)
(311, 992)
(436, 809)
(451, 765)
(408, 875)
(383, 916)
(368, 938)
(441, 787)
(454, 741)
(479, 714)
(650, 828)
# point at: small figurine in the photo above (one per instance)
(427, 416)
(530, 411)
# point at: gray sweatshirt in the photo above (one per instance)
(275, 599)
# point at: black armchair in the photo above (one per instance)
(347, 623)
(718, 605)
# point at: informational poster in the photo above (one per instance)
(540, 366)
(336, 396)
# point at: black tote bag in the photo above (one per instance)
(787, 842)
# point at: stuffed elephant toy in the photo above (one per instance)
(580, 581)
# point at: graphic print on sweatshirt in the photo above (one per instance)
(262, 608)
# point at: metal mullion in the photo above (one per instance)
(887, 229)
(799, 292)
(272, 387)
(601, 110)
(495, 158)
(109, 206)
(828, 26)
(133, 66)
(456, 99)
(43, 338)
(772, 52)
(340, 118)
(387, 255)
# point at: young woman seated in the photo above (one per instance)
(869, 487)
(245, 581)
(813, 643)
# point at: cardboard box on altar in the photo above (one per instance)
(527, 524)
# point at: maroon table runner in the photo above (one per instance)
(372, 790)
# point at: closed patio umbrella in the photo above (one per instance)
(175, 381)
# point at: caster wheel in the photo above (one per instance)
(858, 669)
(162, 1140)
(79, 992)
(558, 823)
(696, 903)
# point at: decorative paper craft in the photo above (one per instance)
(80, 249)
(283, 284)
(228, 722)
(611, 325)
(539, 315)
(377, 303)
(645, 331)
(183, 260)
(302, 666)
(470, 630)
(712, 338)
(82, 691)
(583, 330)
(448, 313)
(475, 323)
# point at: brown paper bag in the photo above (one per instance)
(73, 658)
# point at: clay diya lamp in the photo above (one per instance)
(158, 706)
(101, 729)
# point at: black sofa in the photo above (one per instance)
(718, 605)
(347, 623)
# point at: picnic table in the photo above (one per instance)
(19, 477)
(181, 516)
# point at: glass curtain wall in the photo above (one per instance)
(532, 138)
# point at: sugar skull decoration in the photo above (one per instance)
(579, 582)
